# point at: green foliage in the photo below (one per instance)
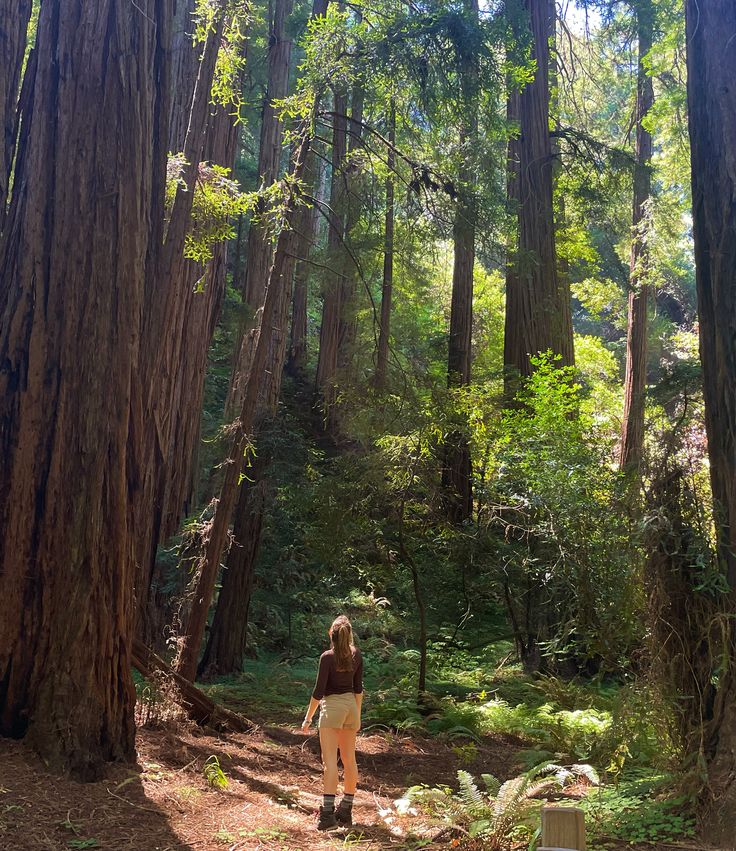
(217, 200)
(214, 774)
(636, 810)
(499, 816)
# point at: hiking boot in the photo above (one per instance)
(326, 819)
(344, 815)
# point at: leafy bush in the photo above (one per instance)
(499, 816)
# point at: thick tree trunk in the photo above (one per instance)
(153, 411)
(334, 283)
(514, 291)
(711, 65)
(84, 217)
(260, 249)
(632, 437)
(457, 468)
(297, 360)
(537, 317)
(259, 253)
(274, 299)
(226, 645)
(387, 287)
(14, 17)
(353, 208)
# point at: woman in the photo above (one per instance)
(339, 694)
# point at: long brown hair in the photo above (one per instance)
(341, 638)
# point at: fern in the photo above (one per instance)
(470, 795)
(586, 771)
(493, 784)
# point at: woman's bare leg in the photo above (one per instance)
(346, 744)
(328, 742)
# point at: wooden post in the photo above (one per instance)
(563, 829)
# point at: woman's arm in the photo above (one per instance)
(311, 709)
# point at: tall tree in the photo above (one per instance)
(537, 316)
(334, 283)
(259, 253)
(387, 285)
(457, 469)
(711, 67)
(281, 270)
(297, 360)
(88, 196)
(632, 437)
(164, 332)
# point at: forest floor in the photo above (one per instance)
(165, 803)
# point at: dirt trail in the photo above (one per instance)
(274, 775)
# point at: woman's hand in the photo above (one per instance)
(306, 724)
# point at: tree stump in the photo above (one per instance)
(563, 829)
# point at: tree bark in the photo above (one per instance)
(157, 389)
(334, 283)
(297, 360)
(14, 18)
(711, 65)
(457, 469)
(387, 287)
(226, 645)
(260, 250)
(280, 271)
(259, 253)
(632, 436)
(83, 221)
(537, 317)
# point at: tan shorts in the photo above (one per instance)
(339, 712)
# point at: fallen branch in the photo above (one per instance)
(198, 706)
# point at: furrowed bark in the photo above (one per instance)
(14, 18)
(388, 260)
(155, 401)
(215, 545)
(632, 437)
(537, 317)
(711, 66)
(457, 467)
(85, 213)
(259, 253)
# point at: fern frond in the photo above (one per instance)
(582, 769)
(509, 797)
(493, 784)
(470, 795)
(541, 787)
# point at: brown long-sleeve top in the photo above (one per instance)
(332, 681)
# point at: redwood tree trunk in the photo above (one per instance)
(14, 17)
(84, 215)
(297, 361)
(226, 645)
(157, 401)
(537, 317)
(711, 65)
(259, 253)
(269, 156)
(457, 468)
(281, 269)
(632, 437)
(387, 287)
(334, 284)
